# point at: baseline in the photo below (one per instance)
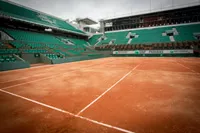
(66, 112)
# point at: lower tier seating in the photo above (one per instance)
(53, 56)
(7, 58)
(17, 51)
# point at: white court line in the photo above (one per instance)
(186, 67)
(106, 91)
(66, 112)
(190, 61)
(50, 77)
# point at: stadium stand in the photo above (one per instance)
(39, 40)
(19, 12)
(31, 37)
(152, 35)
(186, 33)
(75, 46)
(149, 36)
(115, 38)
(167, 37)
(94, 39)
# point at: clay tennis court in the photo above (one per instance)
(110, 95)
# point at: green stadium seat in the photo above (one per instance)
(53, 56)
(1, 59)
(7, 58)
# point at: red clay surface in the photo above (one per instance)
(19, 116)
(162, 95)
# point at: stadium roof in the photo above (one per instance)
(21, 13)
(87, 21)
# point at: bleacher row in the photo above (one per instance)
(7, 58)
(53, 56)
(153, 46)
(40, 45)
(32, 42)
(18, 51)
(37, 43)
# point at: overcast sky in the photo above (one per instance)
(97, 9)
